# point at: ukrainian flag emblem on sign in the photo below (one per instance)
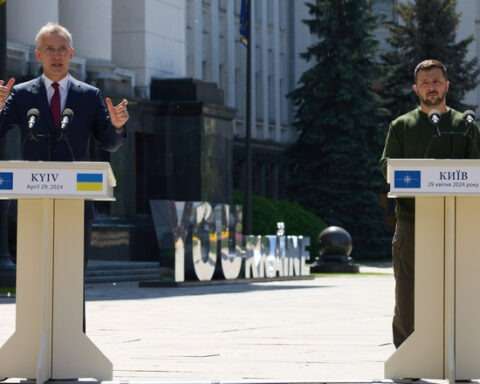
(89, 181)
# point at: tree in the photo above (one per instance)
(334, 161)
(426, 29)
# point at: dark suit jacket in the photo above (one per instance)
(47, 143)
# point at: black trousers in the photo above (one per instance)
(403, 253)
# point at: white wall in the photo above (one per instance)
(90, 22)
(468, 26)
(166, 38)
(301, 38)
(26, 17)
(148, 36)
(128, 36)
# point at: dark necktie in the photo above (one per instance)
(55, 105)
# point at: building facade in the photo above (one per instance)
(121, 45)
(126, 46)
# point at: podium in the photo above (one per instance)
(446, 339)
(48, 342)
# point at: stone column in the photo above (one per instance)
(197, 39)
(90, 22)
(214, 41)
(144, 44)
(166, 40)
(128, 39)
(230, 67)
(265, 69)
(276, 69)
(253, 42)
(25, 17)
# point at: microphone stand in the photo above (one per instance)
(63, 137)
(450, 134)
(435, 136)
(67, 116)
(66, 140)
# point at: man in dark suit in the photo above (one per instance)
(54, 93)
(51, 97)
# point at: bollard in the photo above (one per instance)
(335, 247)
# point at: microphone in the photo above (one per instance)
(469, 116)
(434, 117)
(67, 117)
(32, 115)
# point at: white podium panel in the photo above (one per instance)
(467, 273)
(48, 342)
(445, 342)
(427, 340)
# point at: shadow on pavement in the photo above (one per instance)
(131, 291)
(123, 291)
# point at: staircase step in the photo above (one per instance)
(121, 272)
(114, 271)
(118, 279)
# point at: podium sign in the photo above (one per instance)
(446, 337)
(56, 180)
(48, 342)
(408, 177)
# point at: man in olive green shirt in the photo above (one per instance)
(413, 135)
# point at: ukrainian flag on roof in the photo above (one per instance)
(89, 181)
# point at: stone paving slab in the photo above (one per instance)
(330, 329)
(91, 381)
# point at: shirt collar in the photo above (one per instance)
(62, 83)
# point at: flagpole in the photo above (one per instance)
(7, 268)
(248, 130)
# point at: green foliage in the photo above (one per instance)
(298, 221)
(7, 291)
(426, 29)
(339, 121)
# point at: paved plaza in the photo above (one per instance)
(334, 328)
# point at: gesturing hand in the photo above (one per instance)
(5, 91)
(118, 113)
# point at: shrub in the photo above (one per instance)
(298, 221)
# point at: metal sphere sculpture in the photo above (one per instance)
(335, 247)
(334, 241)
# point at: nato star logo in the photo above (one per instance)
(407, 179)
(6, 180)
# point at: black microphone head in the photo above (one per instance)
(68, 112)
(434, 116)
(469, 116)
(33, 112)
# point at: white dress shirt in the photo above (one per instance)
(63, 88)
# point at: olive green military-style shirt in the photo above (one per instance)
(413, 136)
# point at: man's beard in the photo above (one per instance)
(435, 101)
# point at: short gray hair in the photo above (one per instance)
(56, 29)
